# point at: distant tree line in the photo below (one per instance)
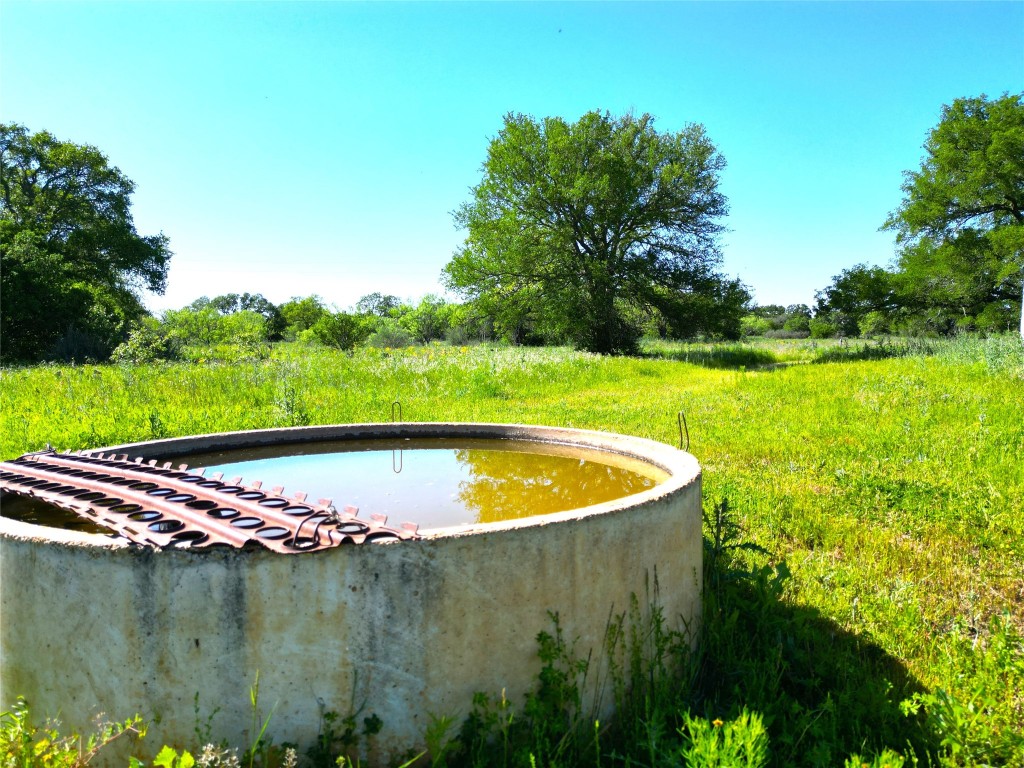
(595, 233)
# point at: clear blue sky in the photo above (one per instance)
(298, 148)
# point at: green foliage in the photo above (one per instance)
(960, 227)
(651, 673)
(301, 315)
(390, 335)
(713, 355)
(870, 553)
(339, 330)
(546, 731)
(822, 328)
(169, 758)
(340, 737)
(752, 325)
(873, 324)
(967, 732)
(378, 304)
(147, 343)
(856, 294)
(231, 303)
(573, 224)
(798, 322)
(467, 323)
(431, 320)
(23, 744)
(72, 261)
(739, 743)
(203, 332)
(887, 758)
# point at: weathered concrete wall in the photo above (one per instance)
(411, 629)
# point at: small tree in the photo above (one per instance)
(873, 324)
(341, 330)
(378, 304)
(855, 293)
(231, 303)
(752, 325)
(301, 314)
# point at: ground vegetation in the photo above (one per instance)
(864, 541)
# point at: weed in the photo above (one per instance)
(339, 737)
(739, 743)
(261, 749)
(291, 407)
(651, 672)
(26, 745)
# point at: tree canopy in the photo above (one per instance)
(231, 303)
(580, 231)
(73, 263)
(854, 294)
(960, 227)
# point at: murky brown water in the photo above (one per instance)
(33, 511)
(433, 482)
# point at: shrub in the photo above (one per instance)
(752, 325)
(822, 329)
(391, 335)
(797, 322)
(873, 324)
(784, 334)
(340, 330)
(146, 344)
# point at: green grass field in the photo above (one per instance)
(879, 487)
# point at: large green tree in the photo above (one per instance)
(71, 263)
(577, 230)
(960, 227)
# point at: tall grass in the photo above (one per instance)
(880, 604)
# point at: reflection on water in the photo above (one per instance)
(433, 482)
(438, 482)
(503, 485)
(30, 510)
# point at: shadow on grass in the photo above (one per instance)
(877, 350)
(733, 356)
(824, 692)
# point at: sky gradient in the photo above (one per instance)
(319, 148)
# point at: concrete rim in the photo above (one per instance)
(682, 468)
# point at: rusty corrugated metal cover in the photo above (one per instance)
(168, 506)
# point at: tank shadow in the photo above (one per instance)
(824, 692)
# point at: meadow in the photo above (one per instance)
(864, 509)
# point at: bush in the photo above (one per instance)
(752, 325)
(390, 335)
(24, 743)
(784, 334)
(873, 324)
(798, 323)
(301, 315)
(821, 328)
(146, 344)
(340, 330)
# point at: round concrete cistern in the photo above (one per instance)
(407, 630)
